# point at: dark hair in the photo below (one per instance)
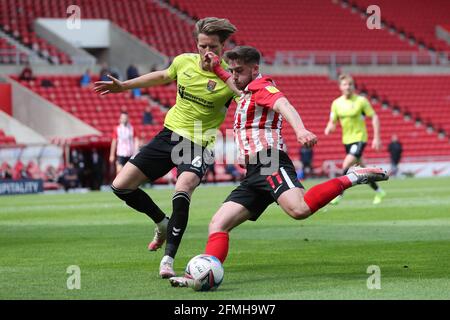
(123, 112)
(245, 54)
(214, 26)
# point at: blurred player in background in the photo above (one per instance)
(257, 129)
(202, 99)
(124, 143)
(351, 109)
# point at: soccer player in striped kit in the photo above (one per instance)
(271, 176)
(124, 143)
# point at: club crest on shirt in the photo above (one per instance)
(211, 85)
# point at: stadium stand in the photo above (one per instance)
(312, 96)
(101, 112)
(425, 97)
(17, 18)
(292, 28)
(6, 140)
(159, 27)
(417, 19)
(9, 53)
(327, 26)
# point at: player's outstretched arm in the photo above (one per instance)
(331, 126)
(291, 115)
(147, 80)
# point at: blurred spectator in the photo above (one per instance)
(97, 169)
(69, 178)
(47, 83)
(306, 157)
(33, 170)
(147, 116)
(19, 171)
(232, 170)
(299, 169)
(6, 173)
(136, 93)
(104, 71)
(395, 150)
(132, 72)
(50, 174)
(27, 73)
(77, 159)
(85, 79)
(211, 170)
(115, 72)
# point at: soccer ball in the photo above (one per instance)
(207, 272)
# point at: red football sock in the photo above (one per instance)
(217, 245)
(321, 194)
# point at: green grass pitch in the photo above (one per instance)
(324, 257)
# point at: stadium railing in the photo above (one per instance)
(8, 56)
(295, 58)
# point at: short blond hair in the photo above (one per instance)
(214, 26)
(346, 76)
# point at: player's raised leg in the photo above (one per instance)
(321, 194)
(126, 187)
(349, 161)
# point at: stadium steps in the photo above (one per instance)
(16, 19)
(312, 96)
(100, 112)
(315, 25)
(159, 27)
(14, 49)
(425, 97)
(414, 19)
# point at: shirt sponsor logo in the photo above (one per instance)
(190, 97)
(272, 89)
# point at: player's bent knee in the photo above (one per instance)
(299, 213)
(215, 225)
(187, 183)
(121, 193)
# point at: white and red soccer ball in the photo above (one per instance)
(206, 271)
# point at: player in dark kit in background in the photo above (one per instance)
(271, 175)
(201, 104)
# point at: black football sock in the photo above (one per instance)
(140, 201)
(178, 222)
(373, 185)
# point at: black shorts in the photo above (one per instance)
(356, 149)
(122, 160)
(260, 189)
(163, 153)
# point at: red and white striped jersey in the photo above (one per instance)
(124, 134)
(256, 125)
